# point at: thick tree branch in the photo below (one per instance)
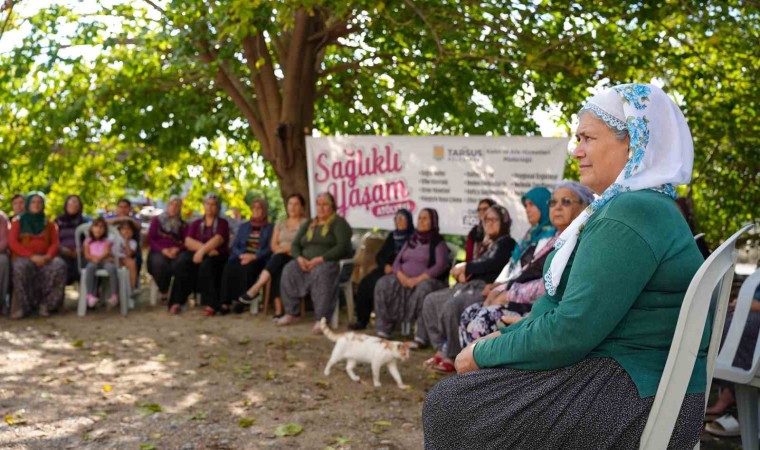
(234, 88)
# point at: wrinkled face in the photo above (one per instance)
(401, 222)
(491, 223)
(73, 206)
(36, 205)
(324, 207)
(294, 207)
(173, 208)
(122, 209)
(18, 205)
(211, 207)
(601, 155)
(564, 207)
(423, 221)
(257, 212)
(482, 208)
(534, 214)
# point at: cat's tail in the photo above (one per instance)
(327, 331)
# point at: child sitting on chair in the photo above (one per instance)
(127, 251)
(97, 252)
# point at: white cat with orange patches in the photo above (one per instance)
(356, 347)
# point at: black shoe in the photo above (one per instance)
(356, 326)
(238, 307)
(247, 299)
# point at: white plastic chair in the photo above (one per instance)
(712, 281)
(747, 382)
(123, 288)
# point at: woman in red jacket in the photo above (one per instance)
(39, 275)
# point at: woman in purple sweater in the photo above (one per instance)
(165, 238)
(419, 269)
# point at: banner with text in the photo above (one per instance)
(372, 177)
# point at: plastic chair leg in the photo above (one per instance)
(348, 293)
(746, 404)
(153, 292)
(335, 316)
(123, 287)
(82, 305)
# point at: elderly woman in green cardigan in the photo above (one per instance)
(317, 249)
(583, 369)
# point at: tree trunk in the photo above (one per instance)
(294, 180)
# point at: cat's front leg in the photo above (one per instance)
(350, 364)
(376, 373)
(393, 369)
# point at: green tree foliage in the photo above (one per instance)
(161, 86)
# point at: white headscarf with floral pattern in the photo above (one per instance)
(661, 155)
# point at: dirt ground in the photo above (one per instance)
(152, 380)
(190, 382)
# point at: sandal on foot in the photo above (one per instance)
(445, 367)
(724, 426)
(432, 362)
(209, 311)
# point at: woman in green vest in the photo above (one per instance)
(583, 369)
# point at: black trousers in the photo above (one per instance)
(162, 269)
(237, 278)
(365, 295)
(274, 267)
(204, 278)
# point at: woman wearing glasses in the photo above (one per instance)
(438, 325)
(511, 300)
(473, 245)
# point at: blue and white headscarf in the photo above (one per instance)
(661, 155)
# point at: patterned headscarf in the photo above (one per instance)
(33, 223)
(662, 155)
(171, 225)
(264, 220)
(401, 236)
(543, 229)
(315, 222)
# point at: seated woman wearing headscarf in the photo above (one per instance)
(509, 301)
(282, 242)
(166, 239)
(419, 269)
(365, 294)
(439, 322)
(39, 275)
(199, 267)
(477, 233)
(67, 225)
(317, 249)
(583, 369)
(249, 255)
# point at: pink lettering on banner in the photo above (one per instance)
(377, 197)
